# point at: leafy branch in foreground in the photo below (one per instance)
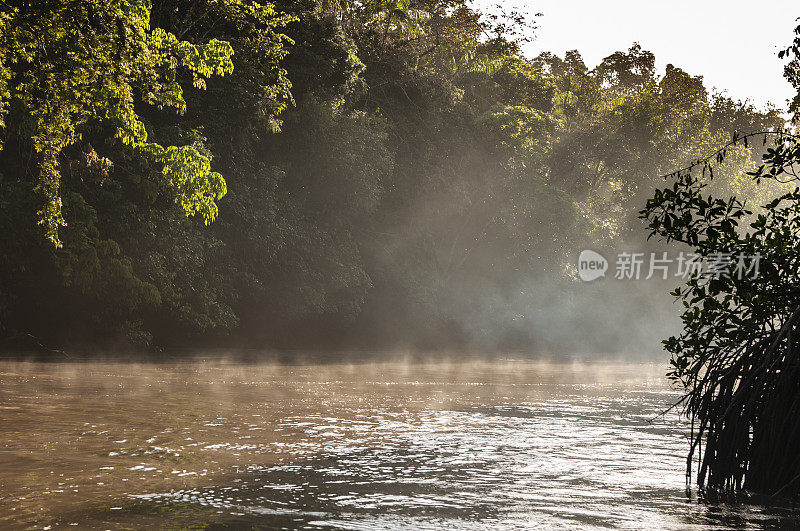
(738, 357)
(67, 64)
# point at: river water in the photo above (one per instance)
(508, 444)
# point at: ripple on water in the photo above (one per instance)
(366, 447)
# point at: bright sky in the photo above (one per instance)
(733, 44)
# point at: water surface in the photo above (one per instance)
(367, 446)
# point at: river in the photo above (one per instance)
(460, 445)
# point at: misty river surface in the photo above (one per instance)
(365, 446)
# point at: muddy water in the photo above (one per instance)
(368, 446)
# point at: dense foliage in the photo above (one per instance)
(380, 173)
(737, 356)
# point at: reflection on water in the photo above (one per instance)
(462, 445)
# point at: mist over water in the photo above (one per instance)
(367, 446)
(316, 264)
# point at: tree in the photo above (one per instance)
(101, 89)
(737, 357)
(70, 65)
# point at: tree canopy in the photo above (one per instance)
(381, 173)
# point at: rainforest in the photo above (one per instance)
(324, 175)
(287, 263)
